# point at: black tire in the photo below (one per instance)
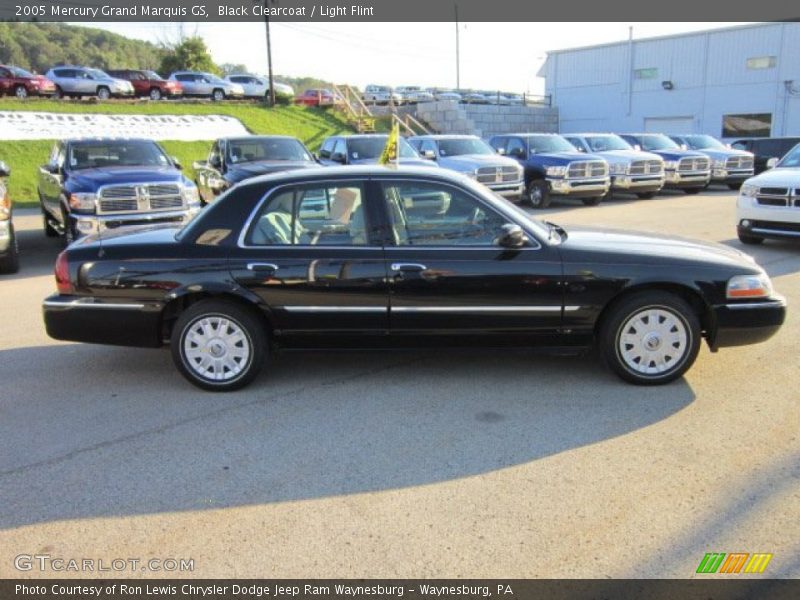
(254, 340)
(646, 195)
(538, 193)
(693, 190)
(59, 93)
(103, 93)
(218, 95)
(750, 240)
(155, 94)
(620, 316)
(734, 186)
(21, 92)
(592, 201)
(49, 230)
(10, 263)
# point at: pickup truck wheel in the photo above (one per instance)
(20, 92)
(103, 93)
(10, 264)
(218, 345)
(646, 195)
(734, 186)
(155, 94)
(593, 201)
(694, 190)
(217, 95)
(538, 194)
(650, 337)
(750, 240)
(49, 230)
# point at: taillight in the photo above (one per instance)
(63, 282)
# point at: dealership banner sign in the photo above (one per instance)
(51, 126)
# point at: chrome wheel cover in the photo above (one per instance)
(535, 195)
(216, 348)
(653, 341)
(21, 92)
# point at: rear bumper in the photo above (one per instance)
(580, 188)
(84, 319)
(738, 324)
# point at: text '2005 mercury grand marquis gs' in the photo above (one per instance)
(347, 256)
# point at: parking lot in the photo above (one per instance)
(407, 464)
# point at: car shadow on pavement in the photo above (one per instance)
(91, 431)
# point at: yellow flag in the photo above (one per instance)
(390, 151)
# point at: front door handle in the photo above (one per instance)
(408, 267)
(262, 267)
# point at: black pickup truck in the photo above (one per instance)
(9, 255)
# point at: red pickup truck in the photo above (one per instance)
(22, 84)
(148, 83)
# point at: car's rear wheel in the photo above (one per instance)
(219, 345)
(218, 95)
(750, 240)
(650, 337)
(538, 194)
(10, 263)
(103, 93)
(155, 94)
(21, 92)
(592, 201)
(646, 195)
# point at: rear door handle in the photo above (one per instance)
(262, 267)
(408, 267)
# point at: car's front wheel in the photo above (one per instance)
(155, 94)
(219, 345)
(646, 195)
(21, 92)
(538, 194)
(735, 186)
(650, 338)
(217, 95)
(694, 190)
(103, 93)
(592, 201)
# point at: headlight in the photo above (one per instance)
(190, 194)
(670, 165)
(749, 286)
(719, 164)
(556, 171)
(5, 205)
(748, 190)
(81, 201)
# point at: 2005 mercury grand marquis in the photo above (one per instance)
(373, 255)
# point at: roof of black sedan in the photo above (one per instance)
(358, 171)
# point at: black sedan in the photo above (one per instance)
(375, 256)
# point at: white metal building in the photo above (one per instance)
(735, 82)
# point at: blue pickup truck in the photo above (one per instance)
(685, 170)
(553, 167)
(90, 185)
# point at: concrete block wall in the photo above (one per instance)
(485, 120)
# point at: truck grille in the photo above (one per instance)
(647, 167)
(588, 168)
(139, 198)
(693, 164)
(739, 162)
(487, 175)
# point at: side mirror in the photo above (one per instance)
(177, 163)
(772, 163)
(315, 156)
(5, 170)
(511, 236)
(684, 147)
(637, 147)
(215, 162)
(338, 157)
(500, 151)
(519, 152)
(429, 154)
(52, 168)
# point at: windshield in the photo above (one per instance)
(153, 75)
(372, 147)
(95, 155)
(240, 151)
(792, 159)
(549, 143)
(657, 142)
(98, 74)
(604, 143)
(459, 146)
(20, 72)
(703, 142)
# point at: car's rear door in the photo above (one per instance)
(309, 251)
(448, 275)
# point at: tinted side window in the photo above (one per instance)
(313, 215)
(340, 147)
(4, 72)
(431, 214)
(183, 77)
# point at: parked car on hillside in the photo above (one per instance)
(728, 166)
(451, 95)
(632, 171)
(470, 155)
(91, 185)
(232, 160)
(414, 94)
(686, 170)
(269, 265)
(381, 94)
(766, 149)
(207, 85)
(9, 250)
(473, 98)
(255, 86)
(553, 167)
(149, 83)
(769, 203)
(20, 83)
(83, 81)
(364, 149)
(315, 97)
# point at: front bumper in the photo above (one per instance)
(508, 190)
(637, 183)
(123, 93)
(779, 222)
(730, 176)
(87, 224)
(93, 321)
(578, 188)
(686, 179)
(738, 324)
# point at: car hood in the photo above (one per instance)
(241, 171)
(678, 154)
(123, 175)
(626, 156)
(635, 247)
(777, 177)
(469, 162)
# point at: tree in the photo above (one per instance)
(191, 54)
(228, 68)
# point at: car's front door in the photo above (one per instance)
(448, 274)
(310, 253)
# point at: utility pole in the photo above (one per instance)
(269, 55)
(458, 54)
